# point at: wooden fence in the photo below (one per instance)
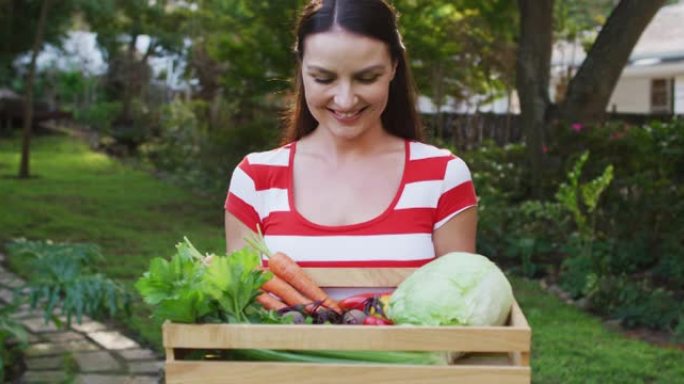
(467, 131)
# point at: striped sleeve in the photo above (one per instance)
(458, 192)
(243, 200)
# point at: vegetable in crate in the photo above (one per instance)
(188, 289)
(456, 289)
(284, 267)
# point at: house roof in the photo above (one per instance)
(663, 38)
(6, 93)
(662, 42)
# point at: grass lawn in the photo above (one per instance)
(82, 196)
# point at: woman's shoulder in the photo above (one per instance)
(420, 150)
(440, 162)
(277, 157)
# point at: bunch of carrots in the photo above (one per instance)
(291, 284)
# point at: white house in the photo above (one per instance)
(653, 82)
(653, 79)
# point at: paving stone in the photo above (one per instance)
(44, 349)
(100, 379)
(59, 337)
(38, 325)
(88, 326)
(14, 282)
(113, 340)
(45, 363)
(25, 312)
(114, 379)
(48, 348)
(79, 345)
(97, 361)
(6, 275)
(137, 354)
(34, 339)
(144, 380)
(6, 295)
(44, 377)
(152, 367)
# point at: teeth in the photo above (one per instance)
(345, 115)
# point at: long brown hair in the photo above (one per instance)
(372, 18)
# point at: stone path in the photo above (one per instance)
(87, 353)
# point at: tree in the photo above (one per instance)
(119, 26)
(24, 171)
(589, 90)
(18, 26)
(458, 49)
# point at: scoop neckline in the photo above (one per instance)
(346, 227)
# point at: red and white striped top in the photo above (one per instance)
(435, 186)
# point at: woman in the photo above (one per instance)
(353, 186)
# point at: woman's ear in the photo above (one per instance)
(394, 68)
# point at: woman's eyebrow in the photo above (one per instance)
(328, 72)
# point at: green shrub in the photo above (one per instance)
(100, 116)
(628, 240)
(190, 152)
(13, 338)
(63, 280)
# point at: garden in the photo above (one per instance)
(584, 217)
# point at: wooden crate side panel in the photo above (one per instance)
(517, 318)
(187, 372)
(346, 337)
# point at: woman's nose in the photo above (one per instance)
(344, 96)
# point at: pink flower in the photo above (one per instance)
(577, 127)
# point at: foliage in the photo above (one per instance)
(599, 237)
(85, 196)
(174, 286)
(10, 331)
(194, 154)
(62, 280)
(581, 201)
(252, 40)
(18, 26)
(99, 116)
(195, 288)
(133, 216)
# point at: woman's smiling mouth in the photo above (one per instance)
(347, 117)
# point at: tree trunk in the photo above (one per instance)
(24, 170)
(532, 82)
(590, 89)
(128, 68)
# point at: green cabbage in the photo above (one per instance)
(456, 289)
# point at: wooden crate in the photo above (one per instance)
(494, 354)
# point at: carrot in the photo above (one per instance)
(287, 269)
(287, 293)
(270, 302)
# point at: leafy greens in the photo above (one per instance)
(196, 288)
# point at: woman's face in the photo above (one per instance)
(346, 80)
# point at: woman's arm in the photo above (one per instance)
(236, 232)
(458, 234)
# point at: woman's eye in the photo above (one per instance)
(323, 80)
(368, 79)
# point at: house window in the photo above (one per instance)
(661, 95)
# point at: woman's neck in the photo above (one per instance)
(321, 144)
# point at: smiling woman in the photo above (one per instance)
(353, 185)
